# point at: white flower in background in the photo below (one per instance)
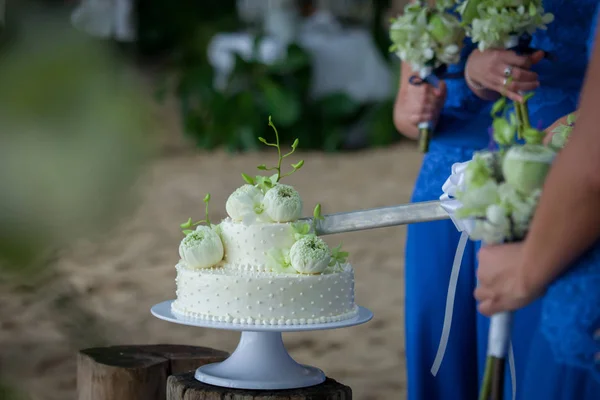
(494, 228)
(245, 204)
(525, 167)
(202, 248)
(282, 203)
(310, 255)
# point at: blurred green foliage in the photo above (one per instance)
(236, 115)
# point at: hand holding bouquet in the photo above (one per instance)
(429, 38)
(498, 192)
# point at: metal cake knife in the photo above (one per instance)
(383, 217)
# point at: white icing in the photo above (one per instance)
(246, 246)
(232, 294)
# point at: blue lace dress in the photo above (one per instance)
(430, 247)
(565, 354)
(560, 84)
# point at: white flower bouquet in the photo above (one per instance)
(502, 23)
(493, 198)
(429, 38)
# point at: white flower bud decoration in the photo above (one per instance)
(525, 167)
(202, 248)
(310, 255)
(282, 203)
(245, 201)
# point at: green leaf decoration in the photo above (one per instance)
(528, 97)
(298, 165)
(263, 140)
(499, 106)
(504, 132)
(187, 224)
(187, 231)
(262, 167)
(338, 256)
(301, 229)
(533, 136)
(295, 144)
(248, 179)
(571, 118)
(206, 201)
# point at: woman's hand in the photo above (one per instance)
(503, 284)
(503, 72)
(416, 104)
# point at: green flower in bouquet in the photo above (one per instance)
(480, 188)
(519, 207)
(427, 36)
(561, 133)
(496, 23)
(525, 167)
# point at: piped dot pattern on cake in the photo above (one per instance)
(263, 266)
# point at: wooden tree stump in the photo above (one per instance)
(136, 372)
(186, 387)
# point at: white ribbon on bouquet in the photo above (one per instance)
(500, 324)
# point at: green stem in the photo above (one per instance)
(498, 379)
(206, 213)
(525, 115)
(519, 114)
(278, 149)
(424, 140)
(486, 385)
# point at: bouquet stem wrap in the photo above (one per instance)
(500, 324)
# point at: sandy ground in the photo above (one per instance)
(101, 292)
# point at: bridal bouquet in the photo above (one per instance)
(502, 23)
(429, 38)
(493, 198)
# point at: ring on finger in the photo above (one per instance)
(505, 82)
(508, 71)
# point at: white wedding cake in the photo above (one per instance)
(262, 265)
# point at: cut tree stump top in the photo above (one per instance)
(186, 387)
(136, 372)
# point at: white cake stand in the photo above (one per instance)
(260, 360)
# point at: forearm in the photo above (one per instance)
(404, 126)
(567, 221)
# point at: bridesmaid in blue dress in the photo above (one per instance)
(461, 129)
(557, 83)
(559, 260)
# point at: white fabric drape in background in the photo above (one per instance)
(110, 19)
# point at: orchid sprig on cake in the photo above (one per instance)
(429, 38)
(264, 198)
(202, 247)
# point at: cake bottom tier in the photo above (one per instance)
(228, 294)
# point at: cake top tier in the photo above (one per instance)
(262, 204)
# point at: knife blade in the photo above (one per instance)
(383, 217)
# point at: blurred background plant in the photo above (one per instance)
(234, 113)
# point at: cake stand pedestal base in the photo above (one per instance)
(249, 367)
(260, 361)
